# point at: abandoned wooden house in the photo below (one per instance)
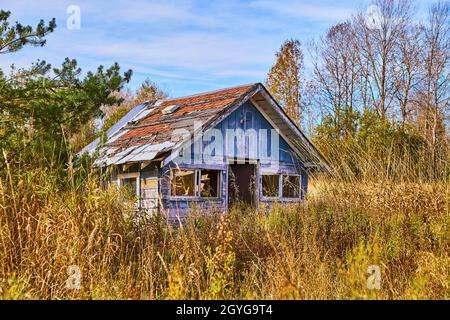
(208, 151)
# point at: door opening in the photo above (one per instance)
(242, 184)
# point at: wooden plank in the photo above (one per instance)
(149, 183)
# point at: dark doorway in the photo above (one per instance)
(242, 184)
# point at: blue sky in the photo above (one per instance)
(184, 46)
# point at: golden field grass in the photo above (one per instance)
(320, 249)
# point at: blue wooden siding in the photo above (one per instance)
(245, 118)
(248, 118)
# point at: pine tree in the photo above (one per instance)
(41, 107)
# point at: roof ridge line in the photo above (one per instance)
(209, 92)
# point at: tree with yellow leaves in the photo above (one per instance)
(284, 80)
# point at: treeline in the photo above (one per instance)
(377, 99)
(375, 102)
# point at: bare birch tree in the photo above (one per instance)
(408, 70)
(335, 72)
(377, 37)
(433, 98)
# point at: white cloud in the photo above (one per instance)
(177, 43)
(304, 10)
(152, 12)
(188, 50)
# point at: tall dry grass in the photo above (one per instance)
(320, 249)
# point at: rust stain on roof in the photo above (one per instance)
(156, 128)
(157, 123)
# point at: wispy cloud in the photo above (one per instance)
(185, 45)
(187, 50)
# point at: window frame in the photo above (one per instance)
(197, 183)
(279, 185)
(131, 175)
(299, 185)
(172, 176)
(246, 121)
(218, 186)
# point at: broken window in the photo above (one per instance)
(130, 184)
(270, 185)
(182, 183)
(291, 186)
(209, 183)
(195, 182)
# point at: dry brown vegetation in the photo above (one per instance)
(320, 249)
(378, 101)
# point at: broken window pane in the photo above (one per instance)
(209, 184)
(270, 185)
(182, 183)
(291, 186)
